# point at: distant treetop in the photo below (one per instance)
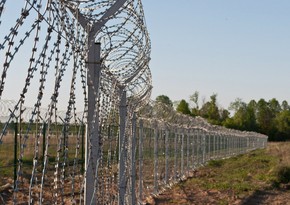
(164, 99)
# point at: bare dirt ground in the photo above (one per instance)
(196, 196)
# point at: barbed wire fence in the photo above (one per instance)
(110, 145)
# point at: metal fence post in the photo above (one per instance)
(83, 147)
(133, 165)
(248, 144)
(122, 147)
(182, 154)
(225, 137)
(220, 145)
(140, 160)
(214, 146)
(217, 145)
(241, 144)
(237, 145)
(15, 151)
(203, 146)
(209, 147)
(43, 140)
(155, 159)
(92, 136)
(199, 146)
(238, 140)
(234, 144)
(166, 154)
(229, 145)
(223, 145)
(194, 149)
(175, 155)
(187, 154)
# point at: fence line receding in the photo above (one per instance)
(81, 128)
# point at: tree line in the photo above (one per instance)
(271, 117)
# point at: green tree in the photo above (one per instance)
(214, 110)
(265, 118)
(239, 119)
(195, 98)
(210, 110)
(244, 117)
(275, 106)
(204, 110)
(253, 105)
(282, 122)
(251, 116)
(164, 99)
(236, 105)
(183, 107)
(285, 105)
(224, 115)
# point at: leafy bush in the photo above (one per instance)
(283, 174)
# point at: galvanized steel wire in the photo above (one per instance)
(45, 49)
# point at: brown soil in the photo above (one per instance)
(195, 196)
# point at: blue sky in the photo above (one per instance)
(235, 48)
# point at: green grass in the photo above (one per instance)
(241, 174)
(237, 178)
(215, 163)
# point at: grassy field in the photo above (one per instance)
(258, 177)
(245, 179)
